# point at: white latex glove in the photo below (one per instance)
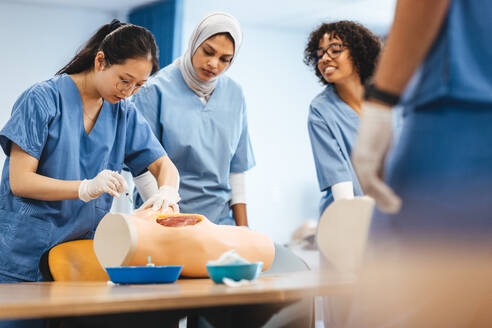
(372, 145)
(106, 181)
(167, 196)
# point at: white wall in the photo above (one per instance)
(282, 188)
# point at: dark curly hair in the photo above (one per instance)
(363, 45)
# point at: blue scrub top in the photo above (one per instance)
(47, 123)
(458, 65)
(440, 166)
(206, 142)
(332, 126)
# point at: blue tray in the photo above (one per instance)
(248, 271)
(144, 274)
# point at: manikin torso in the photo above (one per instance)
(190, 240)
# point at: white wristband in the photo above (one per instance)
(238, 188)
(343, 190)
(146, 185)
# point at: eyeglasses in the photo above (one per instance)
(127, 86)
(334, 50)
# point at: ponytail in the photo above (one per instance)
(119, 42)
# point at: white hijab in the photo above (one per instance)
(209, 25)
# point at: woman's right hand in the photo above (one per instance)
(373, 143)
(164, 201)
(106, 181)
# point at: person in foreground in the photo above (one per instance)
(429, 244)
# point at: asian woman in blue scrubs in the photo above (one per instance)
(343, 55)
(199, 115)
(66, 142)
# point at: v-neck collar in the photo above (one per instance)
(78, 101)
(210, 103)
(342, 104)
(96, 123)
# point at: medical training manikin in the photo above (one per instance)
(190, 240)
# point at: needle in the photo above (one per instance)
(129, 198)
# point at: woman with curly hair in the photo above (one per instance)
(343, 55)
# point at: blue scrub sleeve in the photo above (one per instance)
(331, 166)
(243, 158)
(142, 147)
(28, 124)
(148, 103)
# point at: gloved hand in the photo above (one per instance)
(166, 197)
(107, 181)
(372, 145)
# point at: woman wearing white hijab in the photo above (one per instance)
(199, 115)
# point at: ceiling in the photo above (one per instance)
(107, 5)
(303, 13)
(280, 13)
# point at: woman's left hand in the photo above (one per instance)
(167, 197)
(373, 142)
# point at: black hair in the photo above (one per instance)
(227, 35)
(364, 47)
(119, 42)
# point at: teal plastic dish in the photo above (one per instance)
(249, 271)
(144, 274)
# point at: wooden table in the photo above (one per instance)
(57, 299)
